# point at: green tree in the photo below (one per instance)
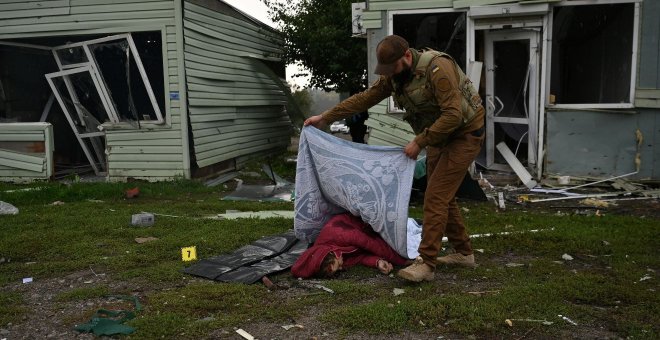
(317, 35)
(303, 99)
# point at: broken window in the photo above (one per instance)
(440, 31)
(592, 54)
(126, 82)
(96, 80)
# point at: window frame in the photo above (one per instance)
(91, 62)
(391, 108)
(633, 69)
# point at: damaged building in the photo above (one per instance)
(151, 89)
(570, 87)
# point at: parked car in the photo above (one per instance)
(339, 126)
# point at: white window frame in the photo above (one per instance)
(92, 63)
(634, 56)
(391, 108)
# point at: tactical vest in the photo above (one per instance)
(418, 99)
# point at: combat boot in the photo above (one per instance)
(457, 259)
(418, 271)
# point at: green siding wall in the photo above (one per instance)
(235, 111)
(18, 161)
(155, 151)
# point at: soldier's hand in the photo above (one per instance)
(316, 121)
(412, 150)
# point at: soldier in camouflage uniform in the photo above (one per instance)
(446, 114)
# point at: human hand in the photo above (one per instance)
(384, 266)
(315, 121)
(412, 150)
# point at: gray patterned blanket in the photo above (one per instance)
(335, 176)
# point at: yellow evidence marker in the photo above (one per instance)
(189, 253)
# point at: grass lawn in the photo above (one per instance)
(81, 251)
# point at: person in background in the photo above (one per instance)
(357, 126)
(345, 241)
(447, 117)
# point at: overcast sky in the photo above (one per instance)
(258, 10)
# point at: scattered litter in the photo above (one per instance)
(465, 209)
(109, 322)
(27, 280)
(513, 265)
(88, 282)
(523, 198)
(232, 215)
(517, 167)
(7, 209)
(325, 288)
(143, 219)
(508, 322)
(645, 277)
(421, 323)
(244, 334)
(593, 202)
(567, 320)
(544, 322)
(479, 250)
(141, 240)
(132, 193)
(57, 203)
(221, 179)
(267, 282)
(144, 212)
(95, 201)
(567, 257)
(500, 200)
(484, 292)
(25, 189)
(484, 182)
(288, 327)
(564, 180)
(398, 291)
(3, 260)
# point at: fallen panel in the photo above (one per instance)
(517, 167)
(264, 249)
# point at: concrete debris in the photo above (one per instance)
(7, 209)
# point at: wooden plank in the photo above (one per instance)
(34, 13)
(416, 4)
(148, 165)
(22, 157)
(127, 7)
(22, 137)
(84, 26)
(139, 136)
(468, 3)
(32, 5)
(21, 165)
(120, 157)
(223, 28)
(140, 149)
(241, 150)
(152, 175)
(35, 127)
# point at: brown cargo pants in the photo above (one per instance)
(445, 168)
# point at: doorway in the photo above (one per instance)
(511, 59)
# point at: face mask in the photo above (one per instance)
(403, 76)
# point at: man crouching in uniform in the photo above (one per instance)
(446, 114)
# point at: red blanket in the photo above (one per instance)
(347, 236)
